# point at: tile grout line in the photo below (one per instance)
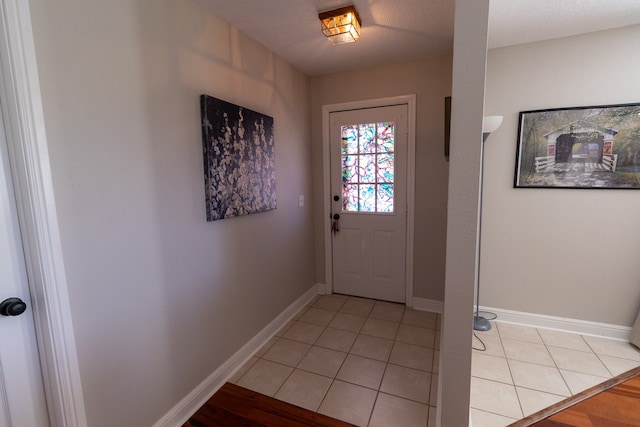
(598, 356)
(429, 344)
(324, 396)
(555, 363)
(333, 379)
(513, 380)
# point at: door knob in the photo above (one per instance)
(12, 307)
(336, 217)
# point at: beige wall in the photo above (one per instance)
(160, 298)
(565, 253)
(430, 81)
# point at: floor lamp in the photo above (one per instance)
(489, 125)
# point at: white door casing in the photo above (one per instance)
(410, 102)
(369, 247)
(36, 208)
(22, 401)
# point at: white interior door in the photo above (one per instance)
(369, 201)
(22, 401)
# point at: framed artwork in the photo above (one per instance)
(239, 159)
(579, 147)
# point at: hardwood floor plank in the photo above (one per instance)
(618, 406)
(234, 406)
(614, 403)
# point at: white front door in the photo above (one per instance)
(369, 201)
(22, 401)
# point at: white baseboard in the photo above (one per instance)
(582, 327)
(422, 304)
(425, 304)
(181, 412)
(322, 288)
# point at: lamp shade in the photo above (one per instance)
(491, 123)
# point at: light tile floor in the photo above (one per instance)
(366, 362)
(374, 363)
(525, 369)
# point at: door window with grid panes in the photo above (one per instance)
(368, 167)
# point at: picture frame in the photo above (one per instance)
(596, 147)
(239, 159)
(447, 126)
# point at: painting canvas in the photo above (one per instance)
(580, 147)
(239, 159)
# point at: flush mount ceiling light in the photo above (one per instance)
(341, 25)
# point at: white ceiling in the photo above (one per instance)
(402, 30)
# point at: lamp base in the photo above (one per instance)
(481, 324)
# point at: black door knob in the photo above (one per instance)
(12, 307)
(336, 217)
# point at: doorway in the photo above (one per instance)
(22, 399)
(36, 212)
(369, 151)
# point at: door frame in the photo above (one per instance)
(410, 101)
(33, 185)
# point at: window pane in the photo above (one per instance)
(350, 139)
(349, 169)
(385, 168)
(367, 198)
(368, 168)
(350, 197)
(386, 132)
(367, 137)
(385, 198)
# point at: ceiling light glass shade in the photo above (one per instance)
(341, 25)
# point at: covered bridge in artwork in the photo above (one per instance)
(579, 141)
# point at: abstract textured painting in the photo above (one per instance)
(239, 159)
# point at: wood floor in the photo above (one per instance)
(235, 406)
(614, 403)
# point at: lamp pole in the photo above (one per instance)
(489, 125)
